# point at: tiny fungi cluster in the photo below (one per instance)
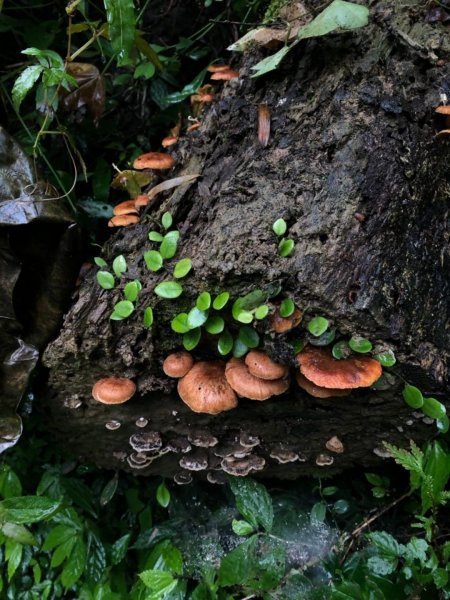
(113, 390)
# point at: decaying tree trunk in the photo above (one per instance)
(355, 168)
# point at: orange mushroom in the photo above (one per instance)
(261, 365)
(205, 390)
(113, 390)
(170, 140)
(178, 364)
(125, 208)
(225, 75)
(316, 391)
(154, 160)
(123, 220)
(281, 324)
(214, 68)
(248, 386)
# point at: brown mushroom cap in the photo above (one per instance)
(214, 68)
(319, 366)
(170, 140)
(225, 75)
(113, 390)
(281, 324)
(141, 200)
(154, 160)
(261, 365)
(248, 386)
(125, 208)
(318, 392)
(443, 110)
(123, 220)
(178, 364)
(205, 390)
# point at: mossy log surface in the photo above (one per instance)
(353, 133)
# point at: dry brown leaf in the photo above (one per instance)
(263, 124)
(90, 91)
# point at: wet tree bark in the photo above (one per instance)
(355, 168)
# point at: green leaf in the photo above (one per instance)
(287, 307)
(168, 289)
(386, 543)
(239, 348)
(57, 536)
(119, 265)
(166, 220)
(270, 63)
(443, 424)
(196, 317)
(63, 551)
(180, 323)
(318, 512)
(28, 509)
(122, 28)
(153, 260)
(437, 467)
(123, 309)
(412, 396)
(24, 84)
(192, 338)
(249, 337)
(13, 554)
(187, 91)
(386, 358)
(105, 280)
(18, 533)
(221, 300)
(108, 492)
(162, 493)
(382, 566)
(433, 408)
(253, 502)
(154, 236)
(75, 565)
(286, 247)
(131, 290)
(339, 15)
(99, 261)
(215, 325)
(203, 301)
(242, 527)
(182, 268)
(9, 482)
(374, 479)
(359, 344)
(317, 326)
(243, 316)
(279, 227)
(158, 581)
(225, 343)
(148, 317)
(341, 350)
(261, 312)
(119, 549)
(146, 70)
(168, 247)
(326, 338)
(96, 557)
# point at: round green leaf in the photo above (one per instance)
(204, 301)
(99, 261)
(124, 308)
(317, 326)
(153, 260)
(243, 316)
(341, 350)
(241, 527)
(249, 337)
(287, 307)
(221, 300)
(166, 220)
(279, 227)
(360, 344)
(162, 493)
(168, 289)
(192, 338)
(225, 343)
(386, 358)
(326, 338)
(433, 408)
(443, 424)
(285, 247)
(239, 348)
(148, 317)
(196, 317)
(119, 265)
(168, 247)
(131, 290)
(261, 312)
(412, 396)
(154, 236)
(180, 324)
(214, 325)
(105, 280)
(182, 268)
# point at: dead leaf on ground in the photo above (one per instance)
(90, 91)
(131, 181)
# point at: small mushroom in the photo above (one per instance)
(141, 422)
(262, 366)
(324, 460)
(225, 75)
(248, 386)
(317, 391)
(241, 467)
(146, 441)
(136, 460)
(125, 208)
(281, 324)
(123, 220)
(170, 140)
(334, 444)
(113, 390)
(141, 200)
(112, 425)
(202, 439)
(217, 477)
(318, 365)
(215, 68)
(179, 445)
(283, 455)
(247, 440)
(178, 364)
(154, 160)
(193, 462)
(205, 390)
(183, 478)
(228, 449)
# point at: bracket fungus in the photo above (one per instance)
(334, 444)
(318, 365)
(248, 386)
(202, 439)
(205, 390)
(146, 441)
(154, 160)
(113, 390)
(241, 467)
(316, 390)
(178, 364)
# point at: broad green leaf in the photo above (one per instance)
(119, 265)
(221, 300)
(359, 344)
(386, 543)
(412, 396)
(215, 325)
(433, 408)
(249, 337)
(287, 307)
(18, 533)
(182, 268)
(239, 348)
(148, 317)
(168, 289)
(131, 290)
(145, 70)
(225, 343)
(192, 338)
(75, 565)
(63, 551)
(173, 559)
(437, 467)
(157, 581)
(203, 301)
(317, 326)
(180, 323)
(382, 566)
(105, 280)
(108, 492)
(163, 495)
(166, 220)
(261, 312)
(253, 502)
(28, 509)
(121, 28)
(124, 308)
(270, 63)
(339, 15)
(196, 317)
(318, 512)
(168, 247)
(242, 527)
(9, 482)
(286, 247)
(154, 236)
(99, 261)
(13, 554)
(119, 548)
(24, 83)
(187, 91)
(153, 260)
(96, 557)
(57, 536)
(279, 227)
